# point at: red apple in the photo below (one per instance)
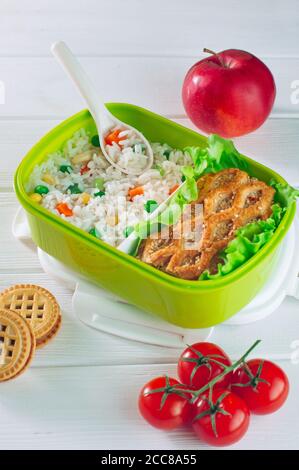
(230, 93)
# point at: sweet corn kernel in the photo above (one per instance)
(85, 198)
(47, 178)
(35, 197)
(83, 157)
(112, 220)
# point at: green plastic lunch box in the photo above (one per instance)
(189, 304)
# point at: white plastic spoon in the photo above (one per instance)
(104, 120)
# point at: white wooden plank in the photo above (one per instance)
(16, 138)
(96, 408)
(76, 344)
(37, 87)
(13, 252)
(275, 144)
(139, 27)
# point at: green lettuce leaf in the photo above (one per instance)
(186, 194)
(219, 154)
(248, 241)
(188, 191)
(285, 194)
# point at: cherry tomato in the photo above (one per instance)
(163, 405)
(200, 363)
(222, 417)
(262, 384)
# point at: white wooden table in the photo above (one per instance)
(82, 388)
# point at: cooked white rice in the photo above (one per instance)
(130, 152)
(113, 212)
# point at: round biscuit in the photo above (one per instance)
(37, 306)
(17, 344)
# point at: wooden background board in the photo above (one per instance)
(157, 28)
(151, 82)
(136, 51)
(95, 408)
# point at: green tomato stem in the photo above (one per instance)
(216, 379)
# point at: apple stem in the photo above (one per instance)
(209, 51)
